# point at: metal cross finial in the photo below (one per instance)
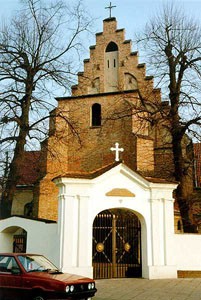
(110, 8)
(117, 150)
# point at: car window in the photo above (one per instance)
(7, 264)
(36, 263)
(28, 263)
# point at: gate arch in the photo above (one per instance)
(117, 244)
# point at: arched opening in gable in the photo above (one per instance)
(111, 47)
(111, 68)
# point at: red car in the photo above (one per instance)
(31, 276)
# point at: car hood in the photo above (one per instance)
(64, 277)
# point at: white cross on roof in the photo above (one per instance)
(117, 150)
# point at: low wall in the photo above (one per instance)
(187, 252)
(42, 238)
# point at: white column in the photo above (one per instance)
(68, 233)
(169, 232)
(156, 223)
(162, 230)
(61, 201)
(85, 237)
(75, 231)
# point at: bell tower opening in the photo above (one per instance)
(111, 47)
(111, 67)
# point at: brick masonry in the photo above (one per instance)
(74, 145)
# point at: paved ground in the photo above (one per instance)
(143, 289)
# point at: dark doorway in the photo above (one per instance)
(117, 244)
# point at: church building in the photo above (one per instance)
(100, 199)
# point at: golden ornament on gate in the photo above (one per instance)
(127, 247)
(99, 247)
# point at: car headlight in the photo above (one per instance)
(89, 286)
(67, 289)
(70, 288)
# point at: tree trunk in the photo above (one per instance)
(13, 178)
(181, 194)
(16, 164)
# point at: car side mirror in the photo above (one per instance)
(16, 271)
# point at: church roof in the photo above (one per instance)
(29, 171)
(104, 169)
(92, 174)
(159, 180)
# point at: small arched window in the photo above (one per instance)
(111, 47)
(96, 114)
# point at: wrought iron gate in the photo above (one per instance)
(116, 244)
(19, 243)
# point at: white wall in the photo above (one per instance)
(187, 251)
(69, 244)
(6, 242)
(42, 238)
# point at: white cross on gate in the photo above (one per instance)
(117, 150)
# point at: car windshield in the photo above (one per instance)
(36, 263)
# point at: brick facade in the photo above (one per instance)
(112, 78)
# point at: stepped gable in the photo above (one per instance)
(130, 74)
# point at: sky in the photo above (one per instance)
(130, 14)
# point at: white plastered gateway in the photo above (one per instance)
(68, 243)
(80, 200)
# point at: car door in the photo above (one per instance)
(10, 277)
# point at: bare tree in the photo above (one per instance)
(38, 50)
(172, 44)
